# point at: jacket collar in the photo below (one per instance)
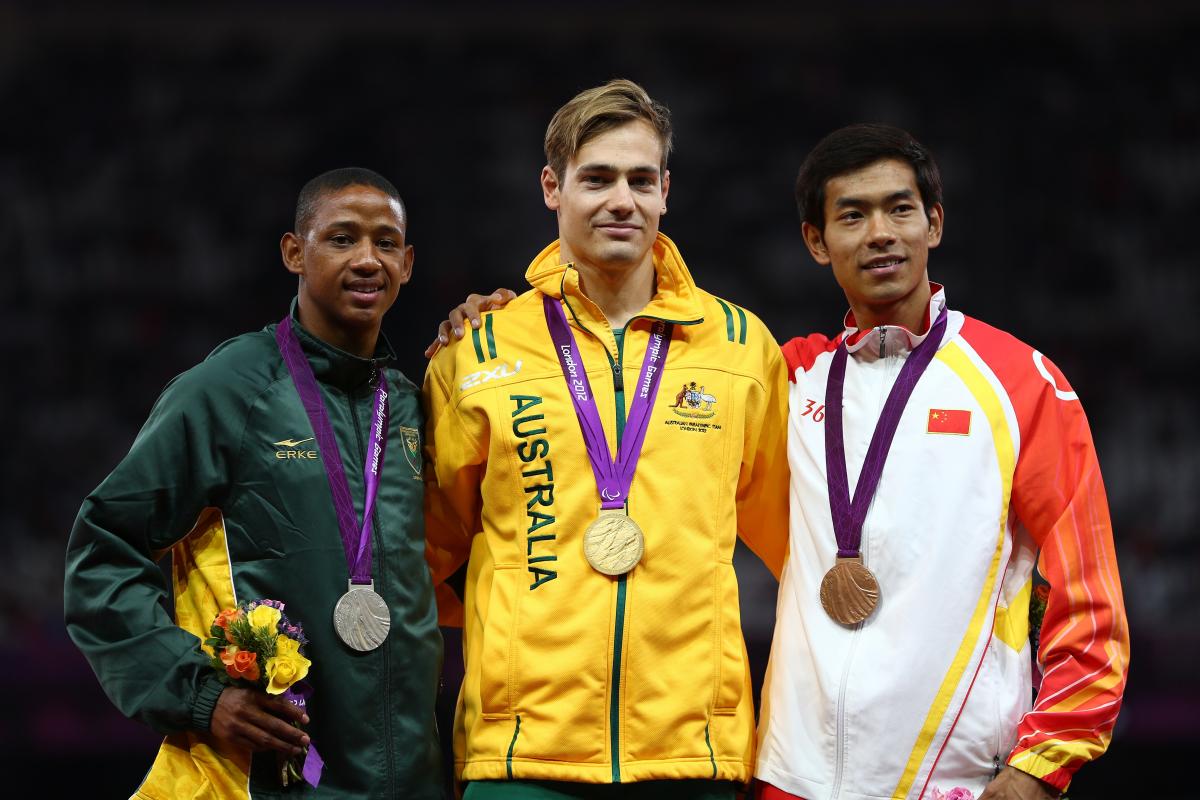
(335, 366)
(891, 340)
(676, 299)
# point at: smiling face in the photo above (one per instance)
(610, 199)
(352, 261)
(877, 238)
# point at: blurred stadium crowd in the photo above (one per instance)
(149, 162)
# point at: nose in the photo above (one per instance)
(365, 258)
(620, 198)
(879, 232)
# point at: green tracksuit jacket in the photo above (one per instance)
(227, 477)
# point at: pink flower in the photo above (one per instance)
(957, 793)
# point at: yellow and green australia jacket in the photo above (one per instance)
(225, 475)
(572, 675)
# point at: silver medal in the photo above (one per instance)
(361, 617)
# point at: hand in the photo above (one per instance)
(1013, 784)
(468, 310)
(248, 720)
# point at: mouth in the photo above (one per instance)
(365, 292)
(882, 265)
(619, 230)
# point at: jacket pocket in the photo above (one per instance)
(496, 666)
(731, 649)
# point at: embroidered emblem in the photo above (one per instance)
(287, 449)
(412, 449)
(694, 402)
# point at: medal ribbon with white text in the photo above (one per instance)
(613, 478)
(356, 539)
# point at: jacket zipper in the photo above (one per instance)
(377, 569)
(614, 703)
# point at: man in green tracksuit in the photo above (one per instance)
(239, 480)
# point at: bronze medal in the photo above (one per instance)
(361, 618)
(613, 544)
(849, 591)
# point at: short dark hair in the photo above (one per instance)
(857, 146)
(598, 110)
(332, 181)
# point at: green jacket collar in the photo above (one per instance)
(335, 366)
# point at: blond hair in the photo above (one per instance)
(598, 110)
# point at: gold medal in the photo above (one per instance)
(849, 591)
(613, 543)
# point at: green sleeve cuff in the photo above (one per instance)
(205, 702)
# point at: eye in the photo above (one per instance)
(386, 244)
(904, 208)
(341, 240)
(593, 180)
(850, 216)
(642, 183)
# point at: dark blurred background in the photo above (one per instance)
(150, 158)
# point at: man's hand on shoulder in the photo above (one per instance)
(248, 720)
(1013, 784)
(468, 311)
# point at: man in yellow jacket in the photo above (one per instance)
(602, 636)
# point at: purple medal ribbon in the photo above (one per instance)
(313, 763)
(848, 517)
(612, 479)
(356, 539)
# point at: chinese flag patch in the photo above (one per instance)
(948, 420)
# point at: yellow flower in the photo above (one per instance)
(265, 617)
(286, 646)
(287, 667)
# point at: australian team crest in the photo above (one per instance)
(412, 449)
(694, 402)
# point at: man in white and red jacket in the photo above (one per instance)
(924, 548)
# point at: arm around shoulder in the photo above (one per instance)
(453, 457)
(762, 495)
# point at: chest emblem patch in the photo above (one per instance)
(412, 449)
(947, 420)
(694, 402)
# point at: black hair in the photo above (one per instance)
(332, 181)
(857, 146)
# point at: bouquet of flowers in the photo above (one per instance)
(1037, 612)
(957, 793)
(255, 646)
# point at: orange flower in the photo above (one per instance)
(224, 618)
(1043, 592)
(244, 666)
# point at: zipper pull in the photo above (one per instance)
(995, 766)
(618, 378)
(882, 340)
(373, 376)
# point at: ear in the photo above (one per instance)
(291, 247)
(666, 187)
(937, 217)
(406, 266)
(550, 188)
(815, 242)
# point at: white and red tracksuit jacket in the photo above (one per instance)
(992, 462)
